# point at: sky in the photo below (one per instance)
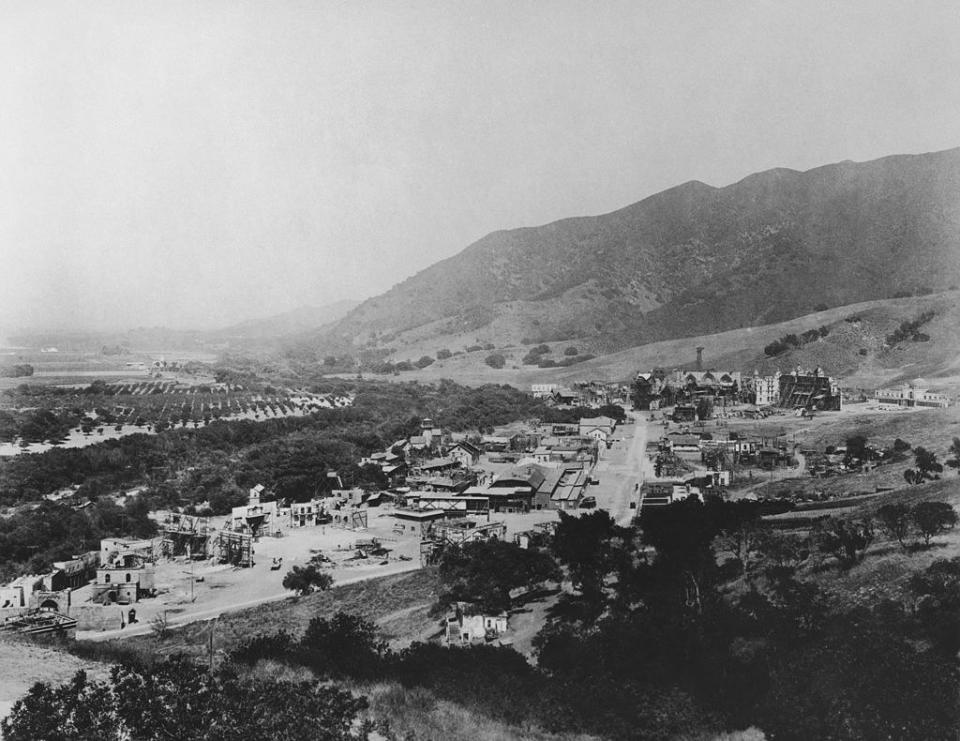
(198, 163)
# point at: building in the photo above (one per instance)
(416, 522)
(599, 428)
(256, 516)
(464, 629)
(809, 390)
(684, 444)
(306, 514)
(125, 575)
(562, 488)
(465, 453)
(766, 389)
(543, 390)
(453, 504)
(914, 394)
(710, 382)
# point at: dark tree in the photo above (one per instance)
(926, 463)
(344, 646)
(484, 573)
(895, 520)
(307, 579)
(954, 460)
(175, 699)
(587, 546)
(932, 518)
(495, 360)
(846, 540)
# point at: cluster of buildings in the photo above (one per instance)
(803, 389)
(447, 479)
(585, 394)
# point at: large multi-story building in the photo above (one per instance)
(809, 390)
(766, 389)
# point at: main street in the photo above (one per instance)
(622, 469)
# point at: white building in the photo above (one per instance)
(767, 389)
(915, 394)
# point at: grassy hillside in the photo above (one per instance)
(855, 348)
(690, 260)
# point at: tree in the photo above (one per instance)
(307, 579)
(586, 545)
(424, 362)
(570, 351)
(343, 646)
(443, 354)
(485, 573)
(846, 540)
(954, 460)
(926, 463)
(895, 520)
(495, 360)
(176, 699)
(938, 603)
(856, 447)
(932, 518)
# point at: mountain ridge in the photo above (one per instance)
(690, 259)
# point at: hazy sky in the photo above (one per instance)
(202, 162)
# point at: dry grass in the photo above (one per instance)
(418, 712)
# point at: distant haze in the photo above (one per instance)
(200, 163)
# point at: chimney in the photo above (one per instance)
(699, 358)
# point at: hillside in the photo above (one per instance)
(854, 348)
(691, 260)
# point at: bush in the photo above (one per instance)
(495, 360)
(571, 351)
(424, 362)
(443, 354)
(307, 579)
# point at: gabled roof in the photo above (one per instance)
(469, 447)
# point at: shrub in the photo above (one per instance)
(571, 351)
(495, 360)
(306, 579)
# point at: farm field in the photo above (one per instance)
(75, 415)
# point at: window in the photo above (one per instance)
(128, 576)
(106, 578)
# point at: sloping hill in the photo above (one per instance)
(691, 260)
(855, 348)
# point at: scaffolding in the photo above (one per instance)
(446, 536)
(186, 535)
(234, 548)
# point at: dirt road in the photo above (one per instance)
(622, 471)
(144, 628)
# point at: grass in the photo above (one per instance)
(419, 713)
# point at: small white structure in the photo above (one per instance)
(464, 629)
